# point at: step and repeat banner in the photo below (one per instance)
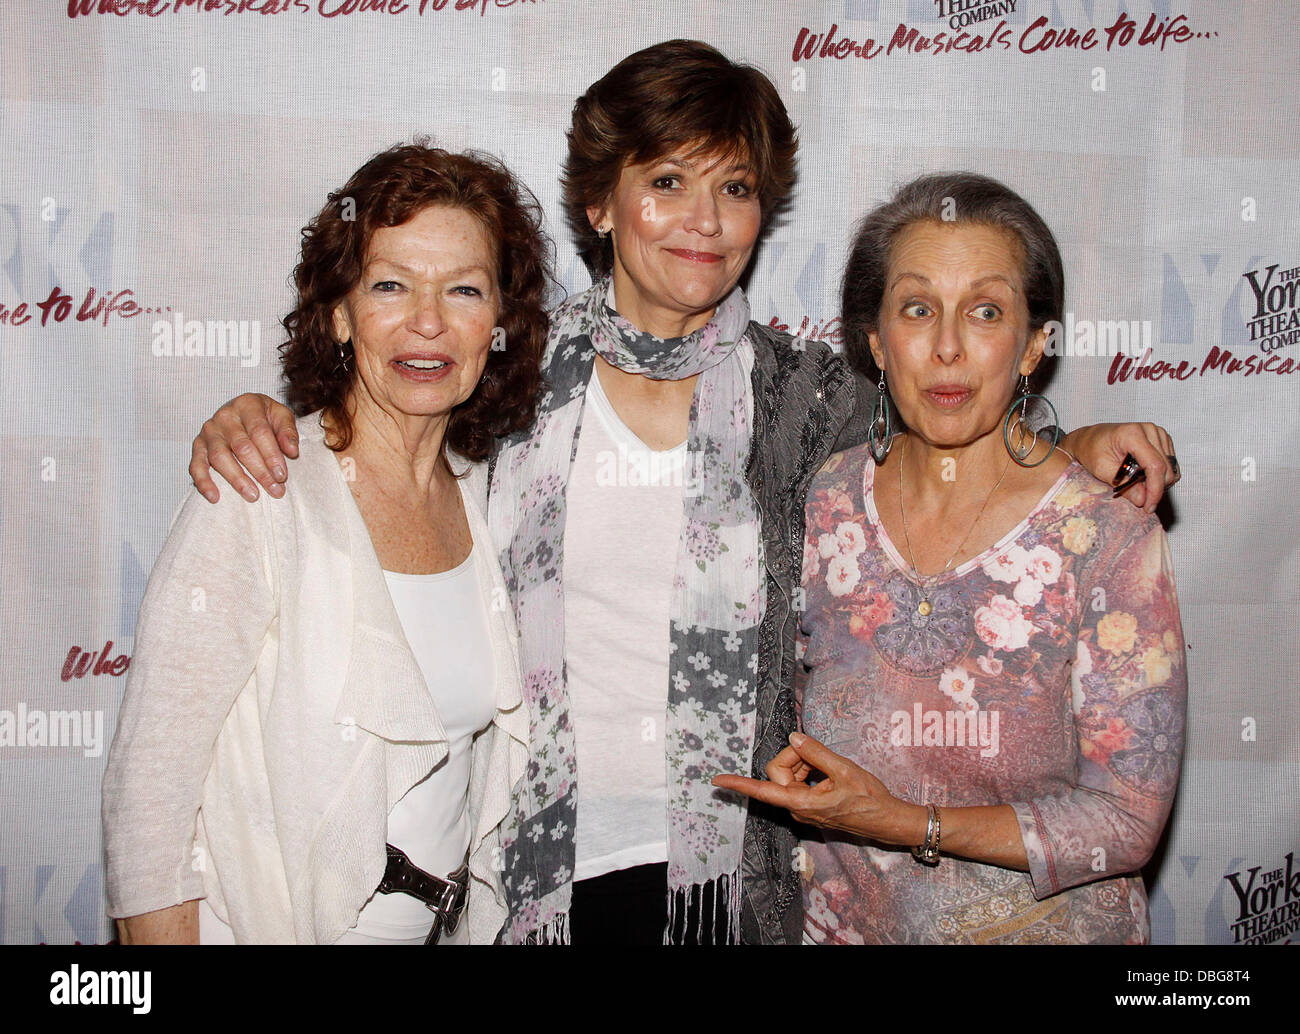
(159, 158)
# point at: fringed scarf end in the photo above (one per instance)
(705, 913)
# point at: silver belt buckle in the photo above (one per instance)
(450, 905)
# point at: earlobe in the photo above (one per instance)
(342, 325)
(1034, 352)
(599, 223)
(877, 350)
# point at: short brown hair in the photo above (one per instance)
(674, 94)
(949, 197)
(389, 189)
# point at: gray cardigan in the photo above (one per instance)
(808, 404)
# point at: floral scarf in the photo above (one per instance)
(717, 607)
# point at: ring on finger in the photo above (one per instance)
(1129, 473)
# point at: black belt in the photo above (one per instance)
(445, 896)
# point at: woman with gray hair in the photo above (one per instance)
(994, 674)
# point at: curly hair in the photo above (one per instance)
(388, 190)
(950, 197)
(682, 93)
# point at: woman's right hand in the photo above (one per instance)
(251, 434)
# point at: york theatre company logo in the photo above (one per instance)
(961, 13)
(1268, 903)
(1275, 319)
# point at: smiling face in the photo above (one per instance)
(683, 230)
(421, 318)
(953, 335)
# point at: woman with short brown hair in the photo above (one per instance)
(681, 96)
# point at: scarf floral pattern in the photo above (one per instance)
(717, 608)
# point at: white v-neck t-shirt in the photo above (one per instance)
(623, 523)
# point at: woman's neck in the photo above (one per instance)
(940, 478)
(941, 506)
(653, 319)
(405, 448)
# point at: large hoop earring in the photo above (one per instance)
(1027, 441)
(880, 435)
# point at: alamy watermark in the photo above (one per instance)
(32, 727)
(211, 339)
(74, 986)
(969, 726)
(637, 468)
(1097, 337)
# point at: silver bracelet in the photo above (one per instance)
(928, 853)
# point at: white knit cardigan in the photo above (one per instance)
(275, 714)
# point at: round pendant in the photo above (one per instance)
(923, 608)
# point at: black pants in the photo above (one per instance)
(630, 906)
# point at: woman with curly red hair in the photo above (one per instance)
(324, 717)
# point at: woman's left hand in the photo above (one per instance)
(1101, 448)
(850, 798)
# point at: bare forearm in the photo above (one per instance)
(989, 834)
(178, 924)
(1101, 448)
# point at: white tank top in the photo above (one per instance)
(445, 620)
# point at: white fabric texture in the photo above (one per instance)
(213, 931)
(275, 714)
(624, 518)
(444, 617)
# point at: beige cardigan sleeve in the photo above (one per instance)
(203, 624)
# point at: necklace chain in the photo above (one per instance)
(927, 583)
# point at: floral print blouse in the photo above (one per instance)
(1047, 673)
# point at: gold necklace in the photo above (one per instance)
(926, 584)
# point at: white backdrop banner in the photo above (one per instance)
(160, 156)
